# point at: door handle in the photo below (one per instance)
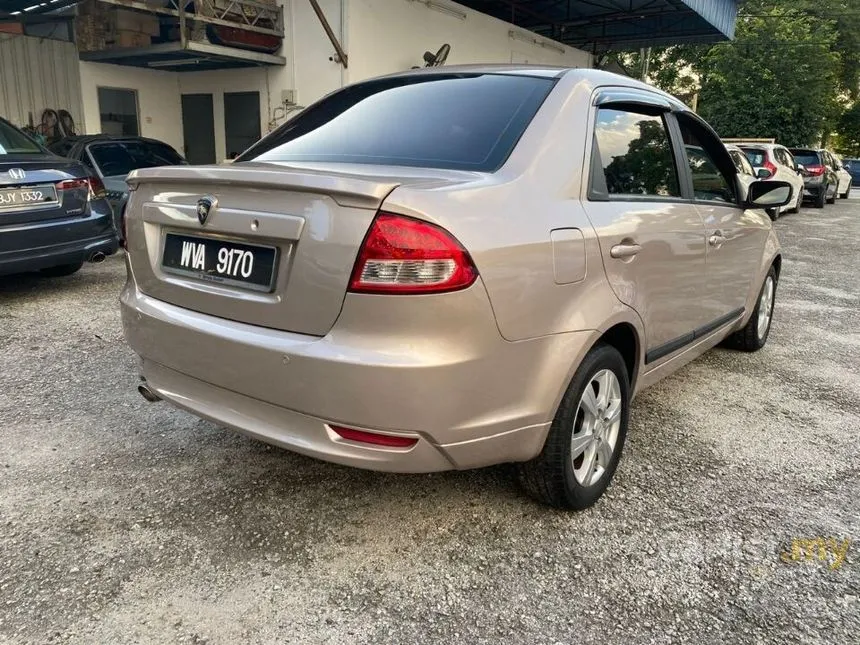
(624, 250)
(716, 239)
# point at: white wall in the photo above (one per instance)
(388, 36)
(159, 108)
(218, 82)
(36, 74)
(315, 74)
(380, 37)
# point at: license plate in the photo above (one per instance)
(27, 196)
(223, 261)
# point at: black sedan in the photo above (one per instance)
(54, 214)
(113, 157)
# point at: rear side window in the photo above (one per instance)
(635, 154)
(456, 121)
(757, 156)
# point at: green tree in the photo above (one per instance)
(849, 132)
(779, 78)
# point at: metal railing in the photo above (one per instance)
(250, 15)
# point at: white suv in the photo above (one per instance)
(773, 161)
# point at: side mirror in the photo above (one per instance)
(768, 194)
(799, 167)
(762, 173)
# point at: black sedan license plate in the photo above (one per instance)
(222, 261)
(27, 196)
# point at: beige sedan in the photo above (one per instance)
(451, 268)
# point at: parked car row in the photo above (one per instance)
(63, 205)
(816, 174)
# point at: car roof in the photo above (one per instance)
(758, 144)
(83, 139)
(593, 77)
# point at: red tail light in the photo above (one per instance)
(93, 184)
(771, 168)
(97, 188)
(407, 256)
(815, 170)
(73, 184)
(362, 436)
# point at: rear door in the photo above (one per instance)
(832, 176)
(792, 174)
(735, 238)
(651, 235)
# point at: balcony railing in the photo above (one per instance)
(250, 15)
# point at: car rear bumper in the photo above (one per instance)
(469, 402)
(812, 186)
(40, 245)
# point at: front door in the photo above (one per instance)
(198, 128)
(736, 238)
(651, 236)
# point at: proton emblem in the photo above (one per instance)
(205, 206)
(17, 173)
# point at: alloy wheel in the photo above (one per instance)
(765, 307)
(596, 427)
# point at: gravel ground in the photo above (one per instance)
(125, 522)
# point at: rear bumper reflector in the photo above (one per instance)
(362, 436)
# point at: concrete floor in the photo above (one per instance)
(123, 522)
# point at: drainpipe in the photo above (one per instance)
(343, 32)
(646, 58)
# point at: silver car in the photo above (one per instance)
(451, 268)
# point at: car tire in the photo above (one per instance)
(820, 197)
(847, 192)
(754, 334)
(798, 201)
(586, 437)
(62, 270)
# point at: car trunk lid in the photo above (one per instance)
(45, 176)
(314, 217)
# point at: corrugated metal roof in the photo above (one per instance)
(594, 25)
(722, 14)
(598, 25)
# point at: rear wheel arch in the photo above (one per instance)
(624, 338)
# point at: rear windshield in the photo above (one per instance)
(13, 141)
(757, 156)
(118, 158)
(455, 121)
(806, 157)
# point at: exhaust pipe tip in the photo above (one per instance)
(97, 257)
(148, 393)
